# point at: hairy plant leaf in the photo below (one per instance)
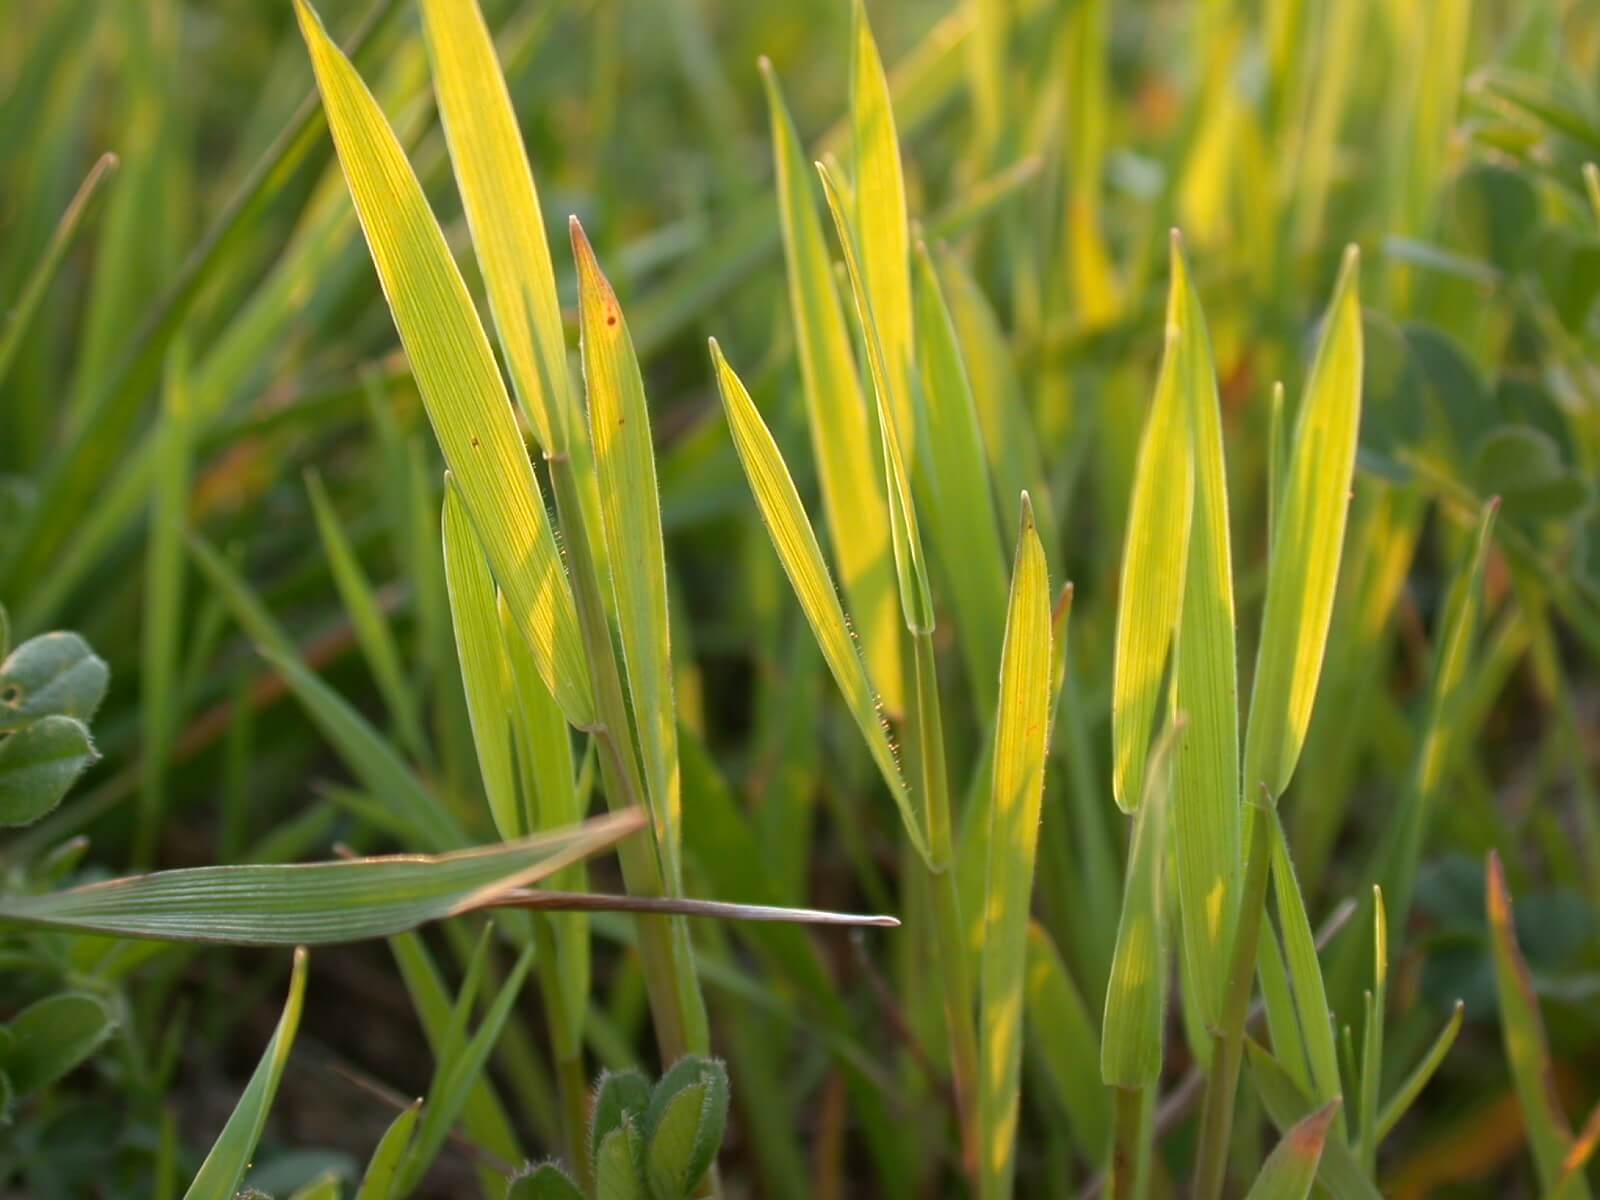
(796, 544)
(224, 1167)
(38, 764)
(455, 372)
(52, 674)
(1021, 743)
(841, 433)
(51, 1036)
(630, 513)
(313, 903)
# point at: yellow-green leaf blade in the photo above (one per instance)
(1136, 992)
(841, 434)
(1308, 538)
(1154, 557)
(1206, 777)
(880, 215)
(1021, 742)
(911, 569)
(1291, 1168)
(502, 207)
(485, 673)
(796, 544)
(630, 512)
(455, 371)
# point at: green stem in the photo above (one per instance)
(1128, 1139)
(948, 929)
(1227, 1046)
(571, 1081)
(676, 1005)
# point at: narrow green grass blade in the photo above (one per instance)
(879, 214)
(1291, 1168)
(1155, 555)
(502, 207)
(841, 434)
(313, 903)
(1527, 1050)
(21, 313)
(962, 521)
(455, 372)
(630, 512)
(911, 569)
(1283, 1021)
(366, 617)
(1136, 993)
(1062, 1036)
(457, 1075)
(485, 672)
(1306, 545)
(223, 1171)
(378, 1182)
(1206, 778)
(796, 544)
(1372, 1037)
(1406, 1094)
(1305, 975)
(1010, 442)
(1021, 743)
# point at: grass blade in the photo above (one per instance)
(1154, 558)
(1405, 1095)
(1062, 1036)
(223, 1171)
(1206, 777)
(879, 214)
(502, 207)
(962, 519)
(911, 570)
(1287, 1105)
(455, 372)
(630, 513)
(1291, 1168)
(485, 673)
(313, 903)
(378, 1182)
(796, 544)
(1306, 545)
(852, 496)
(1136, 993)
(1549, 1135)
(20, 314)
(1021, 743)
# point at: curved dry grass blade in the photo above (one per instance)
(223, 1171)
(313, 903)
(1307, 542)
(911, 569)
(1155, 555)
(630, 514)
(841, 434)
(455, 372)
(1291, 1168)
(502, 207)
(1205, 786)
(1021, 744)
(796, 544)
(485, 673)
